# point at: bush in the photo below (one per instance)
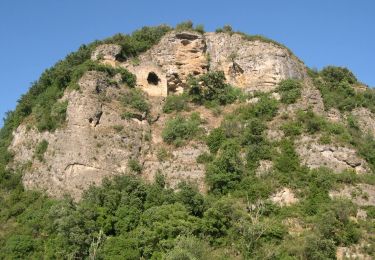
(139, 41)
(135, 99)
(211, 87)
(319, 248)
(336, 75)
(176, 103)
(184, 26)
(135, 166)
(215, 139)
(226, 170)
(290, 91)
(40, 149)
(178, 130)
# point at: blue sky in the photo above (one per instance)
(35, 34)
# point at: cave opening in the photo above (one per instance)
(152, 78)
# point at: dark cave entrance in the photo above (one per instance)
(152, 78)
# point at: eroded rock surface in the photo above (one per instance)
(361, 194)
(87, 148)
(252, 65)
(366, 120)
(284, 197)
(106, 52)
(338, 158)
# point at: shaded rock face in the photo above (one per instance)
(251, 65)
(87, 148)
(338, 158)
(96, 142)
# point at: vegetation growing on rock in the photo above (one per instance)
(236, 216)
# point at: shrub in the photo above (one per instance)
(135, 99)
(211, 87)
(163, 154)
(288, 160)
(176, 103)
(135, 166)
(319, 248)
(40, 149)
(336, 75)
(184, 26)
(225, 29)
(226, 170)
(139, 41)
(290, 91)
(215, 139)
(178, 130)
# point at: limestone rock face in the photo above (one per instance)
(96, 141)
(88, 148)
(361, 194)
(172, 60)
(252, 65)
(284, 197)
(338, 158)
(181, 165)
(366, 120)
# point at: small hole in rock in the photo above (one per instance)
(153, 78)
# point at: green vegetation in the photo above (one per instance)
(40, 149)
(228, 29)
(135, 166)
(189, 26)
(211, 89)
(290, 91)
(179, 129)
(135, 98)
(176, 103)
(337, 86)
(139, 41)
(126, 218)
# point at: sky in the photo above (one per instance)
(35, 34)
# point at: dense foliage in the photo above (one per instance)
(290, 91)
(340, 89)
(211, 88)
(179, 129)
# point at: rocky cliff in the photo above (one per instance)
(97, 141)
(216, 145)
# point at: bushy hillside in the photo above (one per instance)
(263, 197)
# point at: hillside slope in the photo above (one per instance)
(146, 145)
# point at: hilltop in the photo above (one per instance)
(174, 143)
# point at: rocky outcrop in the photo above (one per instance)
(173, 59)
(338, 158)
(264, 167)
(252, 65)
(366, 120)
(361, 194)
(88, 148)
(284, 197)
(180, 165)
(106, 52)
